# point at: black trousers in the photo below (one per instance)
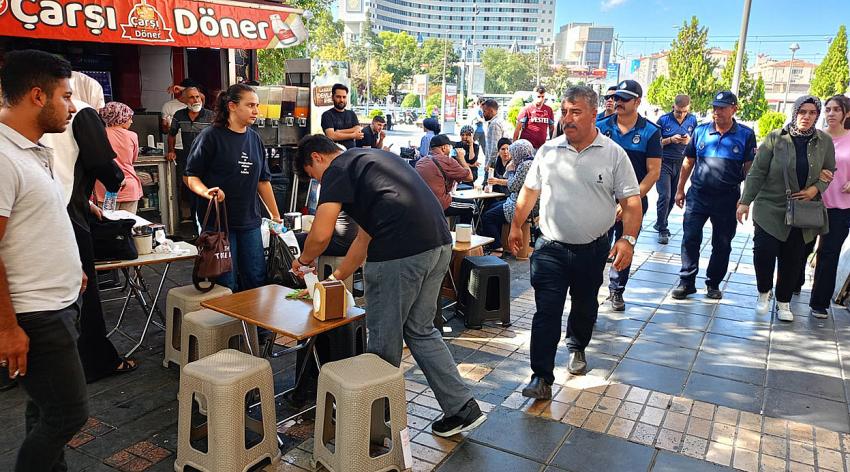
(57, 404)
(769, 253)
(555, 269)
(98, 355)
(828, 253)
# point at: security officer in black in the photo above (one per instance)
(719, 155)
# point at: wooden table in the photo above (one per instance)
(138, 288)
(269, 308)
(479, 196)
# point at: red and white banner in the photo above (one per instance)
(182, 23)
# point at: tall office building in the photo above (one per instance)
(486, 23)
(584, 45)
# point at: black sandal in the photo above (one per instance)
(126, 365)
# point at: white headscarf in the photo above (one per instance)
(88, 90)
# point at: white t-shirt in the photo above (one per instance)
(38, 249)
(579, 190)
(168, 111)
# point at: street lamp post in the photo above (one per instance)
(368, 76)
(742, 46)
(462, 94)
(793, 47)
(539, 44)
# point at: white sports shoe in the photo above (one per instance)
(783, 311)
(763, 305)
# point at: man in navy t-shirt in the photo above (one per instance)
(609, 107)
(405, 241)
(676, 130)
(641, 139)
(720, 155)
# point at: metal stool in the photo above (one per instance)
(180, 301)
(363, 390)
(234, 441)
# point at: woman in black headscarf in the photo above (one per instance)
(798, 154)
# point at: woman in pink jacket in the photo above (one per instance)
(118, 118)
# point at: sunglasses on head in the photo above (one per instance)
(618, 98)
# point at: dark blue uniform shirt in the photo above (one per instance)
(671, 127)
(640, 142)
(720, 158)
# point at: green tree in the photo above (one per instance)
(507, 72)
(659, 93)
(430, 60)
(833, 75)
(770, 121)
(375, 112)
(433, 101)
(690, 69)
(558, 81)
(271, 62)
(398, 56)
(755, 104)
(514, 107)
(411, 100)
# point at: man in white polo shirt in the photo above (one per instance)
(579, 178)
(40, 270)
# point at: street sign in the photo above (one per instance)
(612, 74)
(451, 103)
(420, 84)
(477, 81)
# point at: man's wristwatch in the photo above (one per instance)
(630, 239)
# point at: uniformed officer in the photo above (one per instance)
(719, 155)
(641, 139)
(676, 130)
(608, 109)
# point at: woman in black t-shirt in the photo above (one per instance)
(228, 160)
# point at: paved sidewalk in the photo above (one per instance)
(674, 386)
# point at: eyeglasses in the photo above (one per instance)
(608, 97)
(618, 98)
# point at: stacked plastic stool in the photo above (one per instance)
(179, 302)
(353, 431)
(484, 290)
(206, 332)
(225, 380)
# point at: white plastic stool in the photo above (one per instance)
(179, 302)
(356, 435)
(226, 379)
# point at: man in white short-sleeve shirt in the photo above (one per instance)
(40, 272)
(579, 178)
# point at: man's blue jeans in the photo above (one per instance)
(402, 295)
(249, 263)
(666, 187)
(556, 268)
(58, 404)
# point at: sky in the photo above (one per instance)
(647, 26)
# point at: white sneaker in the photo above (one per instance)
(763, 305)
(783, 311)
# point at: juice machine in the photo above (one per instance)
(283, 121)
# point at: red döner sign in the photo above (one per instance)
(216, 23)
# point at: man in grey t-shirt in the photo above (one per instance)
(579, 178)
(40, 270)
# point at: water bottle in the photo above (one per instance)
(110, 201)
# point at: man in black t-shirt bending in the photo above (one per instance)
(339, 124)
(406, 244)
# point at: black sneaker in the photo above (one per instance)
(617, 302)
(467, 419)
(663, 238)
(713, 293)
(538, 389)
(682, 291)
(820, 313)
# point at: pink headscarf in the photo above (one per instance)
(116, 113)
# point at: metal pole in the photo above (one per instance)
(368, 81)
(538, 65)
(788, 84)
(742, 46)
(443, 104)
(462, 107)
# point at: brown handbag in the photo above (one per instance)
(213, 258)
